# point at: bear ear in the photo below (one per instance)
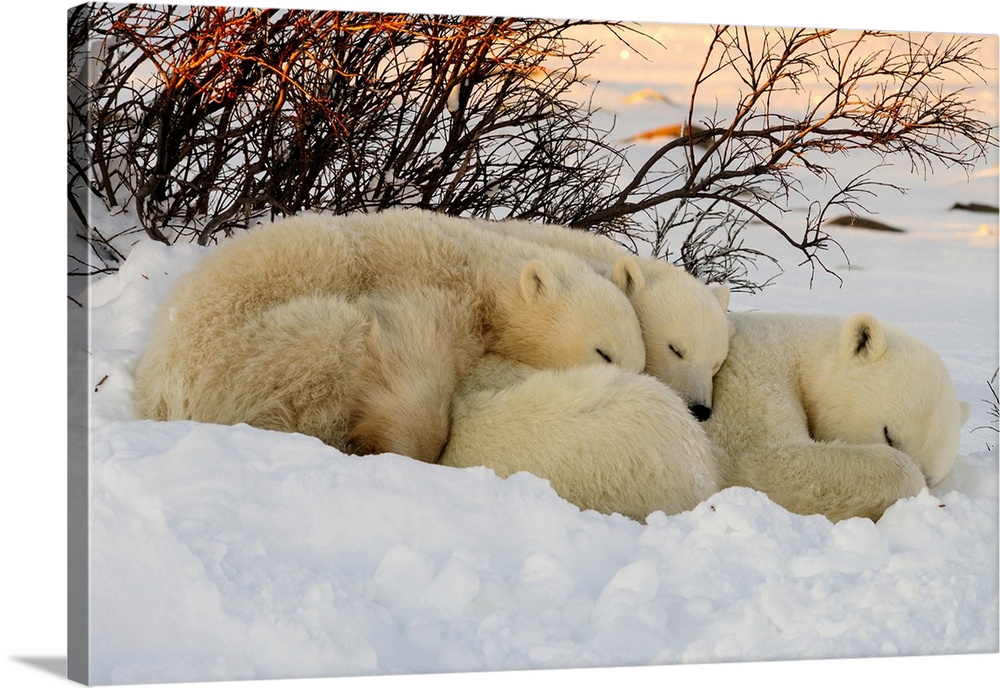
(537, 280)
(627, 275)
(722, 294)
(963, 412)
(863, 337)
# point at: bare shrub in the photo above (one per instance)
(203, 120)
(842, 92)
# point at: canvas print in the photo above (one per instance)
(411, 343)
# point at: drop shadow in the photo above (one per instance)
(51, 665)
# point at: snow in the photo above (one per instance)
(224, 553)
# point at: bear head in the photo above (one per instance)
(685, 330)
(882, 385)
(564, 318)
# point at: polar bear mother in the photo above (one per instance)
(217, 336)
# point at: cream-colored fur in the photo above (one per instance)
(266, 323)
(832, 415)
(605, 438)
(418, 349)
(684, 325)
(371, 375)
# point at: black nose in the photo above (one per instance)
(702, 413)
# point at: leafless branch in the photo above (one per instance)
(872, 91)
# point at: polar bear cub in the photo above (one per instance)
(532, 305)
(605, 439)
(684, 325)
(841, 416)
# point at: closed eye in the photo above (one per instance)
(603, 355)
(676, 351)
(888, 437)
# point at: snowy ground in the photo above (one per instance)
(232, 553)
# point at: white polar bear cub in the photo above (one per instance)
(833, 415)
(684, 325)
(605, 439)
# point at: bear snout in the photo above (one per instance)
(700, 412)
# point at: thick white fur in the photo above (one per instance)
(275, 313)
(371, 375)
(605, 438)
(806, 407)
(684, 325)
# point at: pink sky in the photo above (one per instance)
(671, 67)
